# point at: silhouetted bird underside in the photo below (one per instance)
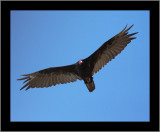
(83, 69)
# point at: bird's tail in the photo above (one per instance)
(90, 86)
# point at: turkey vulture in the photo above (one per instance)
(83, 69)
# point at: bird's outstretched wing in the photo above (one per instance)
(109, 50)
(50, 76)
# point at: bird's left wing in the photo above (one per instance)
(50, 76)
(109, 50)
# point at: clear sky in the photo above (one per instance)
(43, 39)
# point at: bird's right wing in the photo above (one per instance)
(109, 50)
(50, 76)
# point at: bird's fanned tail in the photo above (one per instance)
(90, 86)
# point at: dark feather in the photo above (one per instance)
(109, 50)
(50, 76)
(82, 71)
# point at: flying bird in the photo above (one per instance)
(83, 69)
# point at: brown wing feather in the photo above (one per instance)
(109, 50)
(50, 76)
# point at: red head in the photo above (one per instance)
(80, 62)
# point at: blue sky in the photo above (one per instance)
(43, 39)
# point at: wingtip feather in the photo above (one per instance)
(128, 28)
(124, 28)
(25, 85)
(132, 34)
(133, 38)
(22, 78)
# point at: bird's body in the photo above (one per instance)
(83, 69)
(85, 72)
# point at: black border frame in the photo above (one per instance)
(152, 6)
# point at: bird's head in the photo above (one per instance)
(80, 62)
